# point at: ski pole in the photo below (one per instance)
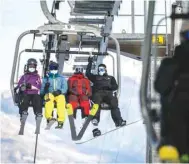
(35, 148)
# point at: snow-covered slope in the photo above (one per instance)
(55, 146)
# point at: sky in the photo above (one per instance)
(21, 15)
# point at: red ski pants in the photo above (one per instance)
(80, 101)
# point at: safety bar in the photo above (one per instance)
(146, 54)
(62, 51)
(14, 65)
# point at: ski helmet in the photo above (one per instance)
(53, 65)
(102, 69)
(32, 61)
(31, 65)
(79, 69)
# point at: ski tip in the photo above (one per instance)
(94, 109)
(69, 109)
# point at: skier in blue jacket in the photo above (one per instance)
(54, 88)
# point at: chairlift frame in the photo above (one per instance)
(51, 30)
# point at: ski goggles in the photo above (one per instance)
(31, 66)
(79, 69)
(101, 69)
(53, 67)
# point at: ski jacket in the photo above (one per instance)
(33, 79)
(105, 82)
(78, 84)
(56, 81)
(172, 79)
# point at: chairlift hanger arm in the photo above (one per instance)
(146, 53)
(53, 20)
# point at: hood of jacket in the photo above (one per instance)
(78, 75)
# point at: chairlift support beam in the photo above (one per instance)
(146, 54)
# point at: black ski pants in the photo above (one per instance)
(175, 125)
(99, 97)
(36, 103)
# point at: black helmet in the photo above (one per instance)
(53, 66)
(78, 69)
(32, 61)
(102, 65)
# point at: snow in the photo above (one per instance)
(55, 146)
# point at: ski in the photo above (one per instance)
(38, 123)
(88, 120)
(23, 121)
(76, 137)
(108, 132)
(85, 125)
(49, 125)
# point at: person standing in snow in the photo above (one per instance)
(172, 83)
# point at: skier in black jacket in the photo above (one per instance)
(172, 82)
(103, 88)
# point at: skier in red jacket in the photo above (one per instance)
(79, 91)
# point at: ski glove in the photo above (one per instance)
(57, 93)
(23, 87)
(28, 86)
(46, 88)
(90, 59)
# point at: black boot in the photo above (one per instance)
(96, 132)
(50, 119)
(120, 123)
(60, 125)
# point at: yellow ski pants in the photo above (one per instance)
(60, 103)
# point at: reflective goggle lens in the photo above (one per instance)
(101, 69)
(32, 66)
(53, 68)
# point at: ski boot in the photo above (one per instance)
(120, 123)
(95, 122)
(60, 125)
(50, 122)
(96, 132)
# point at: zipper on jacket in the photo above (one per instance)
(54, 83)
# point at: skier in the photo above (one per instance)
(28, 89)
(172, 83)
(54, 88)
(79, 91)
(103, 87)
